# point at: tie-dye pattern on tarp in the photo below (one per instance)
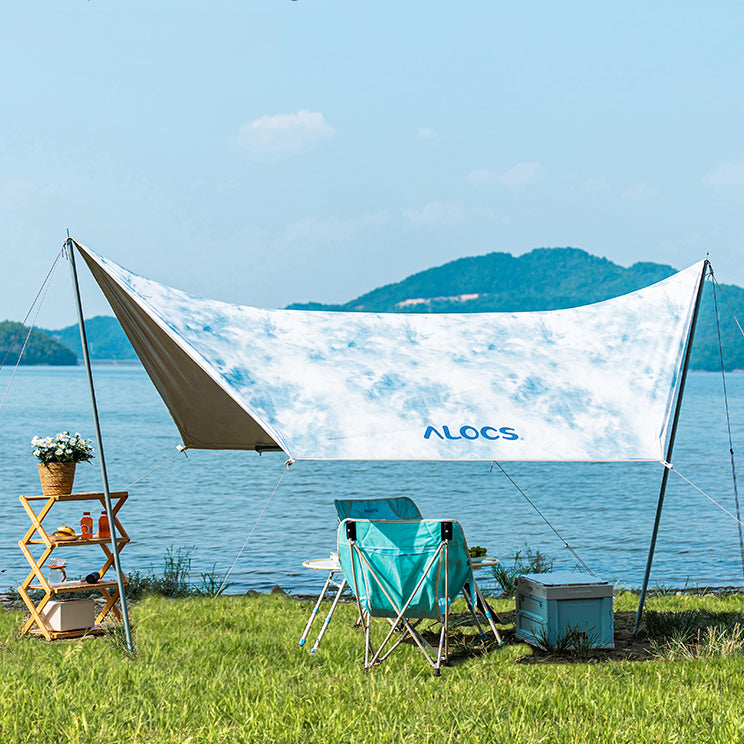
(596, 382)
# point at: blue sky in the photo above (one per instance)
(272, 151)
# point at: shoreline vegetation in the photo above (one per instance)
(543, 279)
(229, 669)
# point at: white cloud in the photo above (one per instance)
(729, 174)
(596, 185)
(283, 133)
(480, 176)
(641, 191)
(425, 134)
(435, 213)
(520, 175)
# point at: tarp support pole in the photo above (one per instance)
(70, 250)
(670, 448)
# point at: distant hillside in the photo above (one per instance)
(41, 349)
(546, 279)
(705, 353)
(106, 340)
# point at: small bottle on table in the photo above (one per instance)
(103, 525)
(86, 526)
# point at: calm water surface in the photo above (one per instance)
(211, 500)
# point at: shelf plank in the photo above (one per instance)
(78, 541)
(76, 586)
(87, 496)
(59, 634)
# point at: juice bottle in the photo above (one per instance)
(86, 526)
(103, 525)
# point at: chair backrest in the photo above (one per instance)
(397, 507)
(389, 562)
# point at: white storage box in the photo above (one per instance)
(551, 605)
(69, 614)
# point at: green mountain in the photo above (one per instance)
(544, 279)
(106, 340)
(705, 348)
(548, 279)
(40, 349)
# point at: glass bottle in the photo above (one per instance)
(103, 525)
(86, 526)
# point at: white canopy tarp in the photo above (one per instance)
(597, 382)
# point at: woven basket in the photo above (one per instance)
(56, 477)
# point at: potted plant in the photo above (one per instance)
(58, 457)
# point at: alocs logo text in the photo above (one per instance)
(471, 432)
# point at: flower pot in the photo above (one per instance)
(56, 478)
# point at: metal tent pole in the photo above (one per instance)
(670, 447)
(70, 250)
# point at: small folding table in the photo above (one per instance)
(333, 567)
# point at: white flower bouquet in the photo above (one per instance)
(65, 447)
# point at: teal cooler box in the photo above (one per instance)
(551, 605)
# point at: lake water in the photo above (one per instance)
(211, 500)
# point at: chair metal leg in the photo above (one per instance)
(488, 612)
(473, 611)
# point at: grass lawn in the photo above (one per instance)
(230, 670)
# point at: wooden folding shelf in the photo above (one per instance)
(37, 538)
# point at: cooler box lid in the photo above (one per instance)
(562, 578)
(563, 585)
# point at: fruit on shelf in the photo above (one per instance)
(63, 532)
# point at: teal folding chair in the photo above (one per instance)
(396, 507)
(404, 572)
